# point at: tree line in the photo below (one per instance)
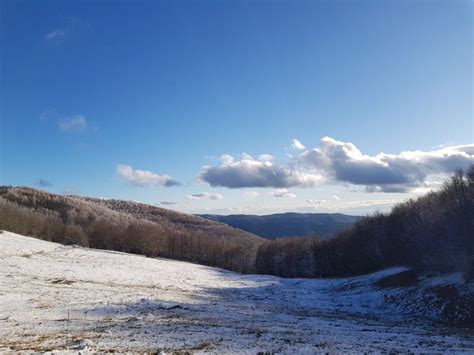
(433, 232)
(126, 226)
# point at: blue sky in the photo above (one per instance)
(157, 101)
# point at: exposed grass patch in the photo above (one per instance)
(62, 281)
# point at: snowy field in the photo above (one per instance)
(55, 297)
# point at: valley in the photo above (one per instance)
(70, 298)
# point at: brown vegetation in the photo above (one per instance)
(434, 232)
(126, 226)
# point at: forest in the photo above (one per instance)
(434, 232)
(126, 226)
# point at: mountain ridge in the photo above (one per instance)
(288, 224)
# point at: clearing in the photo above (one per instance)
(55, 297)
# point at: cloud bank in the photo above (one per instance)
(143, 177)
(344, 162)
(335, 161)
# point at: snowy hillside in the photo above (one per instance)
(63, 297)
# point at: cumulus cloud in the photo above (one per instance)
(265, 157)
(344, 162)
(250, 172)
(205, 196)
(296, 144)
(335, 161)
(74, 123)
(143, 177)
(282, 193)
(43, 183)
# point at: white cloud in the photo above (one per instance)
(55, 36)
(205, 196)
(227, 159)
(143, 177)
(343, 162)
(74, 123)
(249, 172)
(340, 162)
(252, 194)
(265, 157)
(281, 193)
(296, 144)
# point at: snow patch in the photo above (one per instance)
(56, 297)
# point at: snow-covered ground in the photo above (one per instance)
(55, 297)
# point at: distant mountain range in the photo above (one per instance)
(288, 224)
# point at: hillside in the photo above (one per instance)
(57, 297)
(126, 226)
(288, 224)
(434, 232)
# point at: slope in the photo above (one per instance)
(57, 297)
(126, 226)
